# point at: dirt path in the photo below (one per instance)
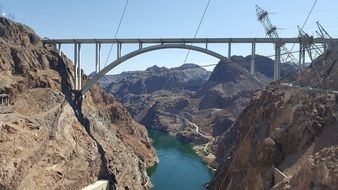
(196, 128)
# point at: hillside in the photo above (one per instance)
(47, 140)
(287, 137)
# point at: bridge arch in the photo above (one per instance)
(135, 53)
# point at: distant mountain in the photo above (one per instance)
(185, 77)
(265, 66)
(226, 84)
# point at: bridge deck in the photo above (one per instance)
(182, 40)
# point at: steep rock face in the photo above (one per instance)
(322, 73)
(46, 140)
(287, 137)
(228, 86)
(283, 127)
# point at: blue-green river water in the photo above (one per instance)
(179, 167)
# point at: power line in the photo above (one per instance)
(198, 28)
(301, 11)
(307, 18)
(117, 30)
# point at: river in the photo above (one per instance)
(179, 167)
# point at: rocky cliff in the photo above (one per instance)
(228, 87)
(287, 138)
(47, 141)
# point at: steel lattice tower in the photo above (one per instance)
(307, 41)
(322, 33)
(271, 32)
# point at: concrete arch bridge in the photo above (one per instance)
(176, 43)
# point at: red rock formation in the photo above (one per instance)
(48, 142)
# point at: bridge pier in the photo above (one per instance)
(59, 48)
(300, 58)
(79, 76)
(119, 50)
(253, 55)
(98, 57)
(229, 50)
(301, 61)
(303, 56)
(77, 67)
(276, 75)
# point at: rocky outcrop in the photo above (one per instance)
(322, 73)
(228, 86)
(47, 141)
(288, 129)
(191, 137)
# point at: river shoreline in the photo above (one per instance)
(207, 159)
(179, 167)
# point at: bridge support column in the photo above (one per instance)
(300, 58)
(59, 49)
(79, 76)
(75, 87)
(301, 61)
(98, 57)
(253, 55)
(277, 62)
(119, 49)
(303, 56)
(229, 50)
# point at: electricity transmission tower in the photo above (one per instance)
(322, 33)
(307, 41)
(271, 32)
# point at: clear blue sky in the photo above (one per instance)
(166, 18)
